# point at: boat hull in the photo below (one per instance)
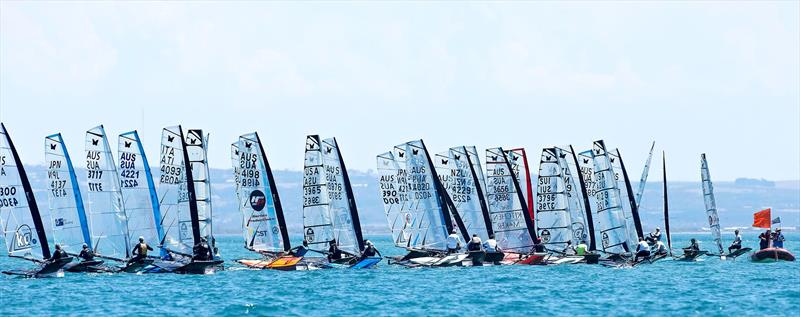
(772, 255)
(48, 269)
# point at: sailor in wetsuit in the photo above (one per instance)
(693, 248)
(490, 245)
(654, 237)
(475, 245)
(333, 251)
(538, 246)
(202, 252)
(140, 251)
(58, 254)
(737, 242)
(370, 250)
(86, 253)
(569, 249)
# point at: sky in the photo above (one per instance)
(716, 77)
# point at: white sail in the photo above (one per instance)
(17, 217)
(69, 224)
(586, 168)
(519, 165)
(197, 150)
(455, 170)
(643, 179)
(624, 196)
(326, 210)
(711, 204)
(257, 203)
(140, 199)
(506, 204)
(172, 194)
(610, 217)
(575, 197)
(553, 220)
(411, 202)
(108, 223)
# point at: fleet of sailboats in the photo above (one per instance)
(582, 207)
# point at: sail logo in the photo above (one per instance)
(545, 234)
(257, 200)
(310, 235)
(605, 240)
(183, 232)
(59, 222)
(578, 231)
(23, 238)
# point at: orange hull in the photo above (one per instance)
(286, 263)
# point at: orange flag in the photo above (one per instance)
(762, 219)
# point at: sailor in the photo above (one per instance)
(581, 248)
(569, 249)
(764, 240)
(58, 253)
(300, 251)
(642, 250)
(654, 237)
(453, 242)
(693, 247)
(86, 253)
(737, 242)
(538, 246)
(140, 250)
(490, 245)
(660, 248)
(475, 244)
(778, 240)
(333, 251)
(370, 250)
(201, 251)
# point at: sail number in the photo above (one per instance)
(6, 197)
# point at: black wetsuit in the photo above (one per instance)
(59, 254)
(539, 247)
(202, 252)
(334, 253)
(474, 246)
(370, 251)
(86, 254)
(764, 243)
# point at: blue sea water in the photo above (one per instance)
(709, 287)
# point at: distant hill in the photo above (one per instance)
(736, 201)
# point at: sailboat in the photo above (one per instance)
(416, 206)
(580, 192)
(628, 199)
(655, 255)
(263, 223)
(459, 170)
(105, 211)
(711, 212)
(186, 206)
(512, 219)
(330, 214)
(22, 225)
(140, 199)
(615, 237)
(69, 222)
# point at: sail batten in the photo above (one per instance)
(23, 229)
(710, 202)
(69, 222)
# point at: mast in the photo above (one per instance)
(527, 212)
(487, 219)
(448, 207)
(586, 204)
(666, 203)
(275, 198)
(351, 200)
(190, 190)
(634, 207)
(26, 186)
